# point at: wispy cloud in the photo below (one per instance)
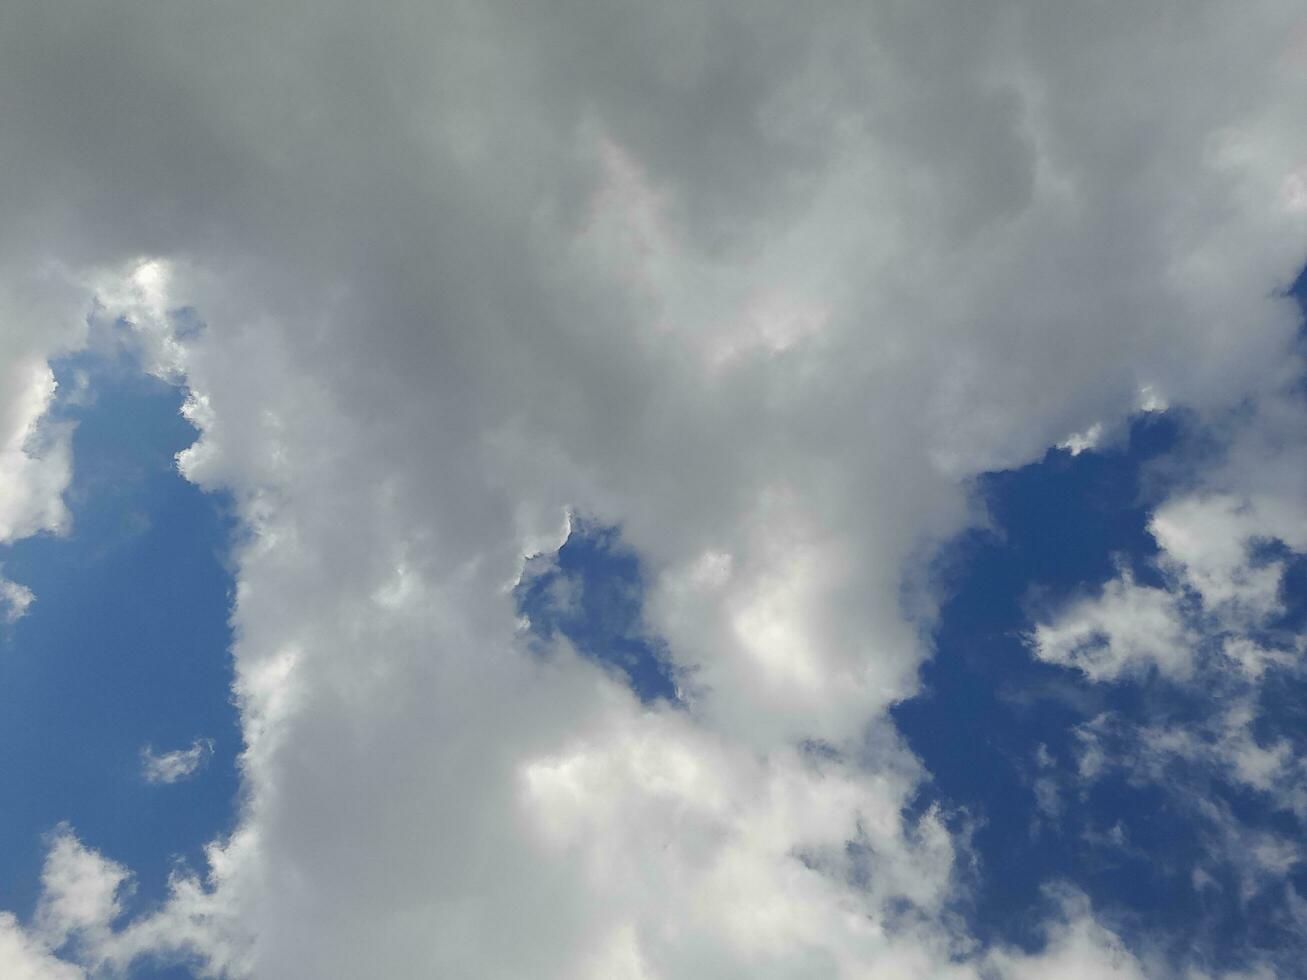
(14, 599)
(169, 767)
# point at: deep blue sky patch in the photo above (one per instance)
(127, 644)
(591, 592)
(996, 728)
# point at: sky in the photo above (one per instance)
(641, 492)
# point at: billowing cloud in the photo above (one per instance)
(24, 958)
(79, 893)
(761, 286)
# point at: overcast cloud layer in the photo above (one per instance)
(761, 284)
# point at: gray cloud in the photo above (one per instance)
(763, 286)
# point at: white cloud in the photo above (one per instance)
(169, 767)
(1078, 948)
(1127, 628)
(14, 599)
(42, 315)
(763, 286)
(34, 462)
(1208, 537)
(78, 928)
(23, 957)
(79, 893)
(1080, 441)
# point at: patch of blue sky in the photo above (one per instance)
(126, 646)
(988, 707)
(998, 730)
(591, 592)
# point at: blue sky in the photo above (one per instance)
(127, 646)
(1063, 526)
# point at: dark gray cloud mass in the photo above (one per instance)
(764, 284)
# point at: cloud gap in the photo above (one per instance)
(591, 592)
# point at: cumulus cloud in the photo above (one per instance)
(764, 287)
(35, 463)
(23, 957)
(169, 767)
(79, 930)
(79, 893)
(1129, 627)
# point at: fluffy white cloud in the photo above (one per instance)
(35, 460)
(79, 893)
(34, 464)
(77, 929)
(42, 315)
(1127, 628)
(1078, 948)
(24, 958)
(763, 286)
